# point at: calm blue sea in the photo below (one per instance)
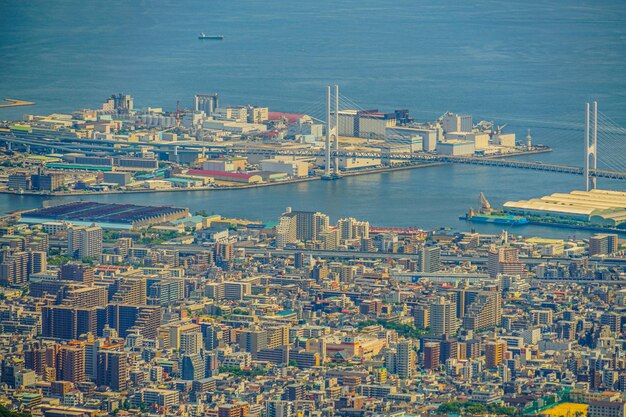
(530, 64)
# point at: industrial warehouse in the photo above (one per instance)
(106, 215)
(602, 208)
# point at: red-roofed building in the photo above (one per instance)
(291, 117)
(227, 176)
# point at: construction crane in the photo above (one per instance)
(485, 207)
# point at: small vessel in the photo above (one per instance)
(213, 37)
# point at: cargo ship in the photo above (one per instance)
(212, 37)
(487, 215)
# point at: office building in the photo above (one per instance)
(606, 409)
(46, 182)
(19, 181)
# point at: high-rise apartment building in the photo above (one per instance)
(295, 392)
(432, 352)
(77, 272)
(300, 226)
(233, 410)
(421, 317)
(68, 322)
(405, 359)
(603, 244)
(112, 370)
(484, 309)
(131, 290)
(123, 318)
(193, 367)
(430, 259)
(14, 269)
(191, 342)
(280, 408)
(443, 320)
(84, 241)
(286, 230)
(494, 353)
(71, 363)
(351, 228)
(253, 341)
(329, 239)
(504, 260)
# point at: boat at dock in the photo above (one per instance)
(486, 214)
(506, 219)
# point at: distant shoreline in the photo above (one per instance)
(234, 187)
(579, 227)
(366, 171)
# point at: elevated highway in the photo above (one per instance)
(328, 254)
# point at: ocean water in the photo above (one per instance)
(529, 64)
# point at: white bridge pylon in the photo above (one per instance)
(332, 132)
(591, 146)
